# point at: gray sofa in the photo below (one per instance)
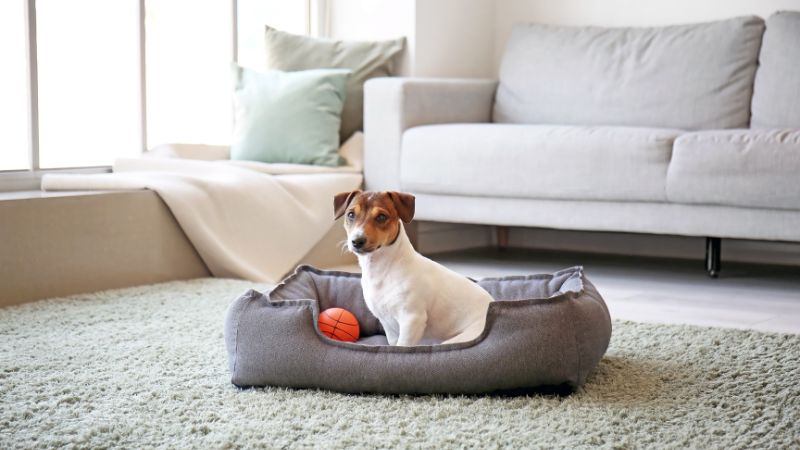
(687, 130)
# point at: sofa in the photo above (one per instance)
(690, 130)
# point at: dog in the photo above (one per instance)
(416, 300)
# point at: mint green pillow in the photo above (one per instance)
(288, 117)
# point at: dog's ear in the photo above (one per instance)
(404, 203)
(341, 201)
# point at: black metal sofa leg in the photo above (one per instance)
(713, 247)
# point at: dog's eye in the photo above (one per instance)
(351, 215)
(380, 218)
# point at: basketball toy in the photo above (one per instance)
(339, 324)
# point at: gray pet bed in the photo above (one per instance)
(542, 331)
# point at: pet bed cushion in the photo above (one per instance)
(541, 330)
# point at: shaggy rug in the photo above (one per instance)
(145, 367)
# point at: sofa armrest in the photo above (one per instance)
(393, 105)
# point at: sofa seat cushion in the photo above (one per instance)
(537, 161)
(776, 94)
(749, 168)
(696, 76)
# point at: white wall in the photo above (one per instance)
(623, 13)
(370, 19)
(455, 38)
(375, 20)
(445, 38)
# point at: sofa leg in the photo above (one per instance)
(713, 247)
(502, 237)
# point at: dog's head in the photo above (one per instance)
(372, 219)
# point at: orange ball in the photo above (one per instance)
(339, 324)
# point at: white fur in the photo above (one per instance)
(417, 300)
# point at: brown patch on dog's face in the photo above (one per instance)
(372, 219)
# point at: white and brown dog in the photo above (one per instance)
(416, 300)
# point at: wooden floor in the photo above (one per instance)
(759, 297)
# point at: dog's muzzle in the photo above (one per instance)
(358, 245)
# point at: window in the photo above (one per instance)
(13, 86)
(87, 81)
(188, 62)
(88, 67)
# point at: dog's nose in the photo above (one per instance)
(358, 242)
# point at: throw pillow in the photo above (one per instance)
(286, 51)
(288, 117)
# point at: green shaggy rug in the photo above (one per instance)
(145, 367)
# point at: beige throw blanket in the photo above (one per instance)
(247, 220)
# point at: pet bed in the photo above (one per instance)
(541, 331)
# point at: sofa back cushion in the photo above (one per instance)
(686, 76)
(776, 96)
